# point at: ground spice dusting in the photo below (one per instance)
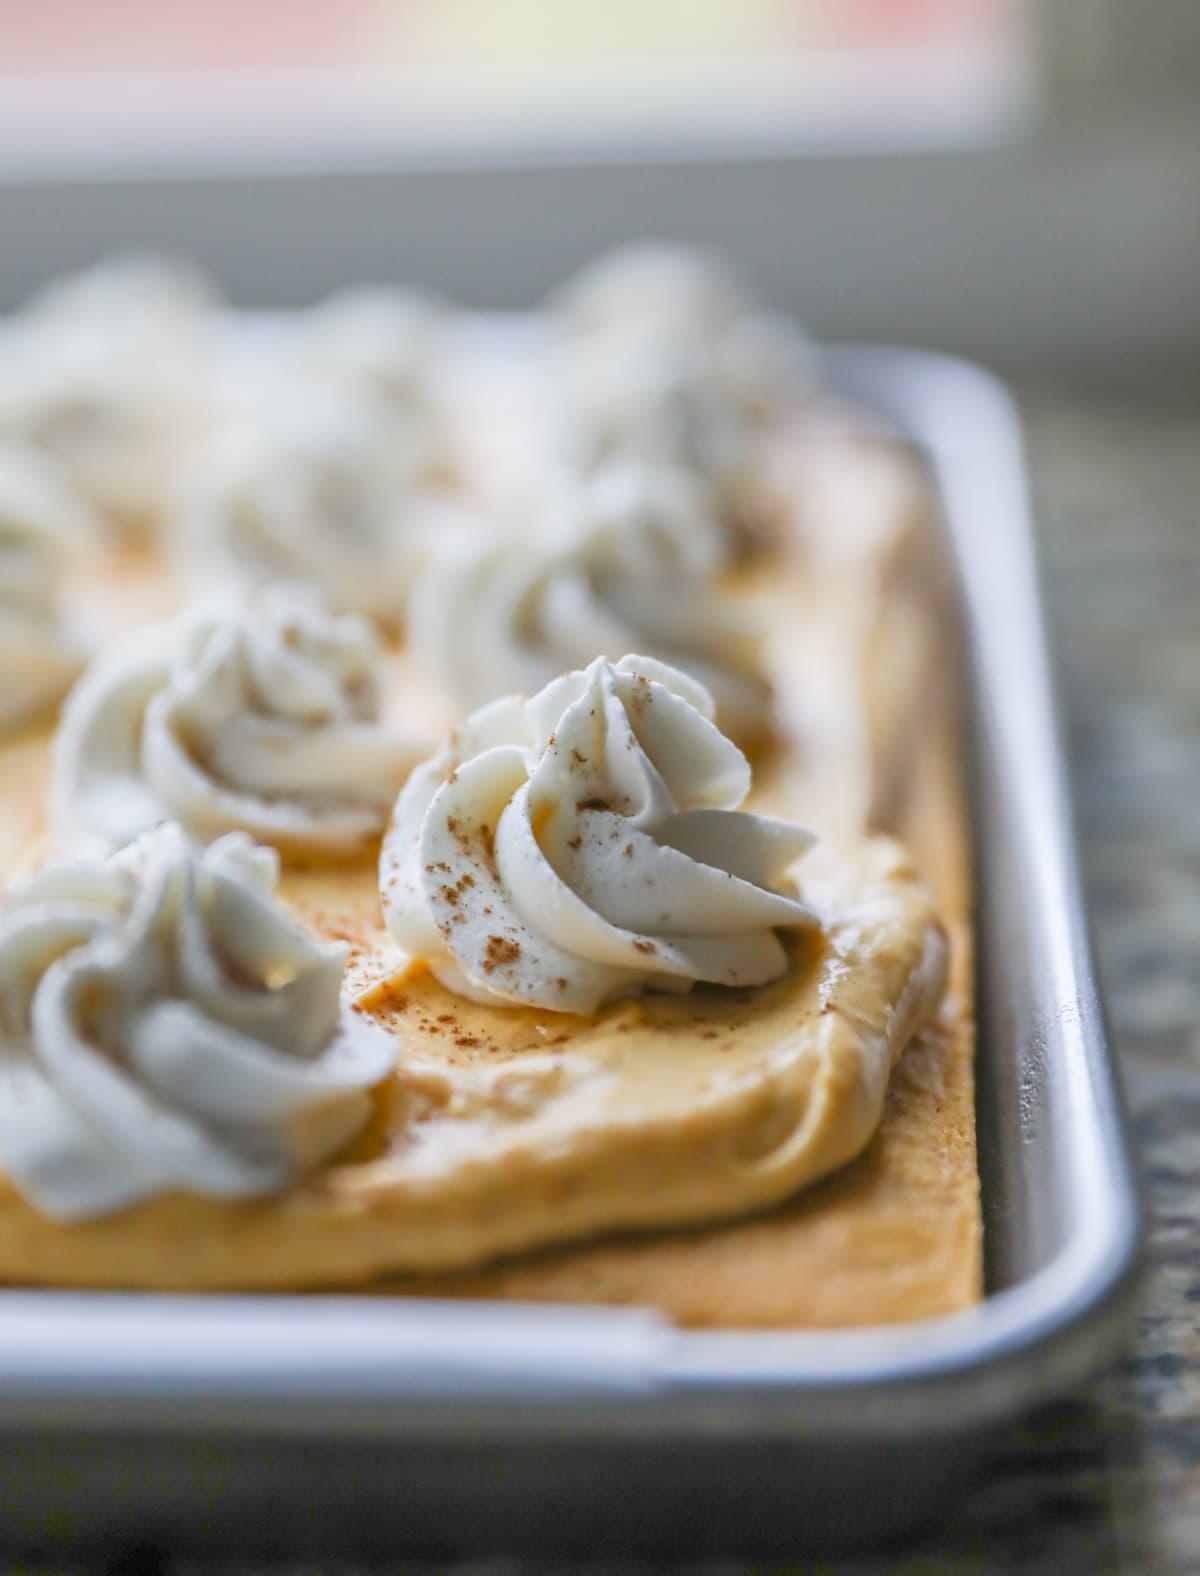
(499, 951)
(641, 692)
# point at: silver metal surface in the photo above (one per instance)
(515, 1426)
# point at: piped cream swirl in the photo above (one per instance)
(383, 346)
(264, 718)
(622, 561)
(586, 844)
(664, 357)
(107, 373)
(309, 491)
(164, 1025)
(43, 527)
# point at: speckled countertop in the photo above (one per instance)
(1110, 1481)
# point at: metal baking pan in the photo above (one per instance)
(379, 1425)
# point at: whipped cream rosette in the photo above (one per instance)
(663, 356)
(643, 521)
(661, 403)
(165, 1025)
(671, 295)
(43, 529)
(621, 562)
(586, 844)
(264, 718)
(382, 346)
(107, 373)
(152, 295)
(660, 284)
(309, 493)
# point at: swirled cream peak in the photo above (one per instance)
(382, 345)
(586, 844)
(622, 561)
(107, 373)
(655, 282)
(262, 717)
(663, 356)
(43, 527)
(150, 295)
(165, 1025)
(308, 493)
(663, 294)
(642, 521)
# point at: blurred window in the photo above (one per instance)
(157, 81)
